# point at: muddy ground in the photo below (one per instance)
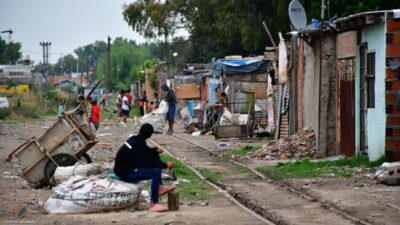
(359, 197)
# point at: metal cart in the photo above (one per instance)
(63, 144)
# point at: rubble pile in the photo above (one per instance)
(300, 145)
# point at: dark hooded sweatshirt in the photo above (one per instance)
(170, 97)
(134, 153)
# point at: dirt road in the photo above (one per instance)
(358, 197)
(16, 194)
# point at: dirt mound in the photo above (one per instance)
(299, 145)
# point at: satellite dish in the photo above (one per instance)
(297, 15)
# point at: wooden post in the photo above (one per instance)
(173, 201)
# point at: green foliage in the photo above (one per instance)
(210, 175)
(66, 64)
(195, 188)
(9, 53)
(92, 51)
(11, 84)
(135, 111)
(239, 169)
(148, 64)
(38, 103)
(4, 113)
(126, 60)
(220, 28)
(154, 81)
(307, 169)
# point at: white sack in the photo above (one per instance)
(92, 194)
(156, 120)
(225, 117)
(64, 173)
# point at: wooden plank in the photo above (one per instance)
(187, 91)
(259, 77)
(346, 44)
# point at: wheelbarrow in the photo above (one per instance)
(63, 144)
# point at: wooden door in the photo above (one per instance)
(346, 105)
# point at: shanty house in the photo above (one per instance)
(248, 86)
(346, 85)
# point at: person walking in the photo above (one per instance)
(172, 101)
(81, 108)
(135, 161)
(95, 115)
(142, 102)
(125, 108)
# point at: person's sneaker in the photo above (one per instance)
(162, 190)
(169, 132)
(157, 208)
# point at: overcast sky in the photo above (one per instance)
(67, 24)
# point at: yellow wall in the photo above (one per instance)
(21, 88)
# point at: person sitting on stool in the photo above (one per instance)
(135, 161)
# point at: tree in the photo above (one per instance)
(218, 28)
(9, 53)
(66, 64)
(127, 61)
(88, 55)
(154, 19)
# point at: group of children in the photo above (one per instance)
(93, 112)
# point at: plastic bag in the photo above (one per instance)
(162, 108)
(92, 194)
(186, 117)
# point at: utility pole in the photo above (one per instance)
(108, 73)
(45, 46)
(323, 7)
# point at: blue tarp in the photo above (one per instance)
(241, 66)
(212, 85)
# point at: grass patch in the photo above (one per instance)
(307, 169)
(210, 175)
(239, 169)
(194, 188)
(240, 152)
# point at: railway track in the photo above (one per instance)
(272, 202)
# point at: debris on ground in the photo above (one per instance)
(388, 173)
(299, 145)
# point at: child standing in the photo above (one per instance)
(95, 115)
(61, 108)
(152, 106)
